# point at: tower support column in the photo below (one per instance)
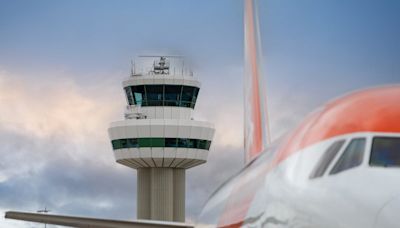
(143, 193)
(162, 196)
(179, 194)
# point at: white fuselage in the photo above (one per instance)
(363, 196)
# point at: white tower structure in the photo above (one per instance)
(159, 137)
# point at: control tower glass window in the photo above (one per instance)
(139, 95)
(129, 95)
(162, 95)
(184, 143)
(171, 142)
(385, 152)
(172, 95)
(155, 95)
(187, 96)
(195, 93)
(161, 142)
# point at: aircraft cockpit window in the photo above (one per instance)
(385, 152)
(326, 159)
(351, 157)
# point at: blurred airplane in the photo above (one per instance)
(338, 169)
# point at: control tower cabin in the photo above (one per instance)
(159, 137)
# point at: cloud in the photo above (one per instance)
(44, 108)
(56, 153)
(55, 149)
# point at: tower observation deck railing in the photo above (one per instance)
(134, 112)
(160, 65)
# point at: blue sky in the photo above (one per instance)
(304, 41)
(62, 62)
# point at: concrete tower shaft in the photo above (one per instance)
(159, 137)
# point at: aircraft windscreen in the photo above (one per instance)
(385, 152)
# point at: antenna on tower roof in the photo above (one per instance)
(161, 56)
(132, 68)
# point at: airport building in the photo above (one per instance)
(159, 137)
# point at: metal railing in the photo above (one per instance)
(134, 112)
(160, 65)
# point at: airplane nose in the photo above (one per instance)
(388, 215)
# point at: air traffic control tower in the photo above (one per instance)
(159, 137)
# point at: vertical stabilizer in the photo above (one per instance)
(256, 129)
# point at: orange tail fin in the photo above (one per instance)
(256, 128)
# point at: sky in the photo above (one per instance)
(62, 63)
